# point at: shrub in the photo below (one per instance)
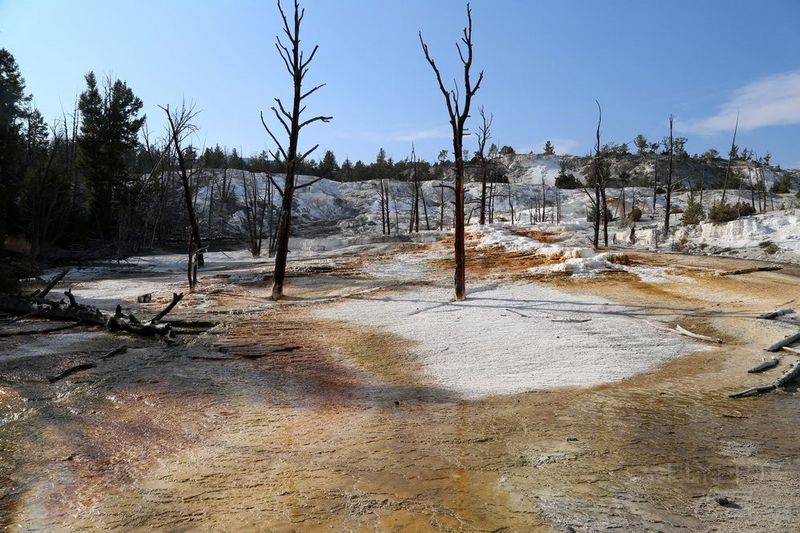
(694, 213)
(744, 209)
(567, 181)
(721, 213)
(634, 215)
(769, 247)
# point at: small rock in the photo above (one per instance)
(727, 502)
(572, 439)
(397, 402)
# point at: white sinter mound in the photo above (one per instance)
(515, 337)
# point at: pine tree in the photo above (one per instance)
(641, 144)
(328, 167)
(13, 109)
(109, 134)
(549, 149)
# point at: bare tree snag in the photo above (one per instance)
(297, 65)
(669, 180)
(730, 159)
(180, 125)
(597, 198)
(458, 118)
(483, 135)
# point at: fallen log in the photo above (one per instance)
(766, 365)
(176, 297)
(751, 270)
(788, 376)
(116, 351)
(685, 332)
(88, 314)
(70, 371)
(52, 283)
(792, 350)
(688, 333)
(21, 332)
(775, 314)
(778, 346)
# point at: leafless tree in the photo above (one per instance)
(414, 223)
(458, 112)
(256, 205)
(669, 179)
(181, 126)
(297, 65)
(597, 198)
(383, 211)
(483, 135)
(730, 160)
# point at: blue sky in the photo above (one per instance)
(544, 62)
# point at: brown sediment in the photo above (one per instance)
(282, 421)
(548, 237)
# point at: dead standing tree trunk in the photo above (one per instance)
(180, 125)
(669, 181)
(458, 118)
(598, 201)
(730, 160)
(297, 66)
(483, 135)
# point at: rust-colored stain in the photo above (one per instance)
(280, 421)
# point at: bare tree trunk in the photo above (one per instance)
(425, 208)
(730, 160)
(383, 211)
(396, 217)
(510, 203)
(388, 216)
(297, 66)
(441, 209)
(491, 202)
(669, 181)
(180, 125)
(458, 118)
(483, 134)
(655, 182)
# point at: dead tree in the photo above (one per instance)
(730, 160)
(669, 180)
(511, 202)
(256, 204)
(383, 211)
(598, 198)
(458, 114)
(483, 135)
(416, 188)
(297, 65)
(39, 306)
(180, 125)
